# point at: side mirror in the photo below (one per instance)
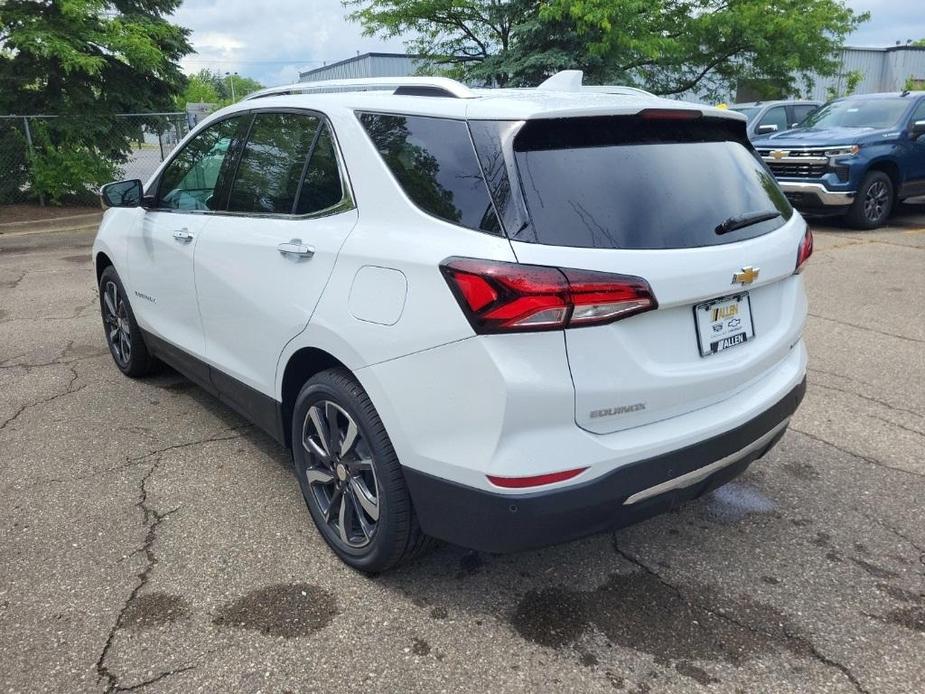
(764, 129)
(122, 194)
(918, 129)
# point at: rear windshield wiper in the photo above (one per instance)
(746, 220)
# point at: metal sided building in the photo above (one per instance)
(365, 65)
(882, 70)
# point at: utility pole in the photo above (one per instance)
(231, 77)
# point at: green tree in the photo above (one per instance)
(213, 87)
(85, 61)
(667, 46)
(199, 89)
(847, 87)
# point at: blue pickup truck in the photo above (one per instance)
(855, 156)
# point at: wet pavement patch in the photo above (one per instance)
(439, 613)
(695, 673)
(900, 594)
(733, 502)
(874, 570)
(909, 617)
(469, 564)
(154, 609)
(801, 471)
(420, 647)
(287, 610)
(79, 259)
(641, 612)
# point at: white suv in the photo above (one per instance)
(502, 318)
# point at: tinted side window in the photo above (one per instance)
(434, 162)
(321, 187)
(800, 112)
(190, 179)
(918, 113)
(775, 116)
(272, 163)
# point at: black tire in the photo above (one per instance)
(121, 329)
(873, 203)
(375, 542)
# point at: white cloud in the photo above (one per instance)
(272, 42)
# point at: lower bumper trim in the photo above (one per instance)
(818, 192)
(493, 522)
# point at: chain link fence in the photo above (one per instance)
(63, 160)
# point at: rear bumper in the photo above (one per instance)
(809, 196)
(494, 522)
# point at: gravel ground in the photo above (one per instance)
(151, 540)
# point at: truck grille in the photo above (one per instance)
(795, 163)
(796, 170)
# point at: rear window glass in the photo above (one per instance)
(436, 166)
(624, 182)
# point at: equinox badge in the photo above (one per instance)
(746, 275)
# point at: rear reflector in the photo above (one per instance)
(805, 250)
(535, 480)
(501, 297)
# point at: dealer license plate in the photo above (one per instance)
(724, 323)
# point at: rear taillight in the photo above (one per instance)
(502, 297)
(805, 250)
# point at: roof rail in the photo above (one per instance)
(410, 86)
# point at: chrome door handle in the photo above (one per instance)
(182, 235)
(297, 248)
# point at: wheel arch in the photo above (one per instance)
(891, 169)
(301, 366)
(101, 261)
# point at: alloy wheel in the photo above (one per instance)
(340, 474)
(115, 317)
(875, 201)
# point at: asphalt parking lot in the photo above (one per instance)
(151, 540)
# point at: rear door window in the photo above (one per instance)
(435, 164)
(272, 163)
(322, 187)
(626, 182)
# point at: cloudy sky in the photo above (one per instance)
(273, 42)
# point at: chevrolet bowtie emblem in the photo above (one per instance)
(779, 153)
(746, 275)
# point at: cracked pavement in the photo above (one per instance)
(152, 541)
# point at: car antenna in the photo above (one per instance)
(905, 92)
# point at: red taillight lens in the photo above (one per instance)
(670, 114)
(509, 297)
(535, 480)
(805, 250)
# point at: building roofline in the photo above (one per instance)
(361, 56)
(884, 49)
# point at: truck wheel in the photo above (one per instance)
(873, 203)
